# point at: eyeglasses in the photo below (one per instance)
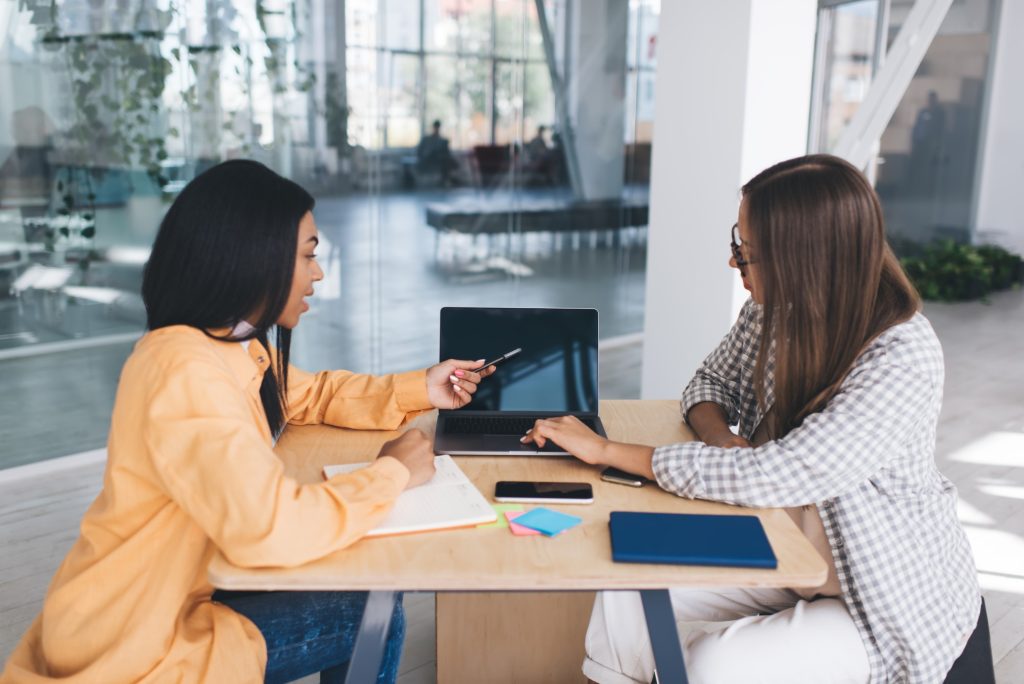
(736, 244)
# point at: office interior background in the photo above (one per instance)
(109, 107)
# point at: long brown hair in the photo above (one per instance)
(829, 281)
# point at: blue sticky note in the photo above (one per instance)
(547, 522)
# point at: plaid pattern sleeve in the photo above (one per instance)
(832, 451)
(720, 378)
(867, 460)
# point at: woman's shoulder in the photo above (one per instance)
(173, 346)
(911, 343)
(171, 339)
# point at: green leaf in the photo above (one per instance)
(89, 232)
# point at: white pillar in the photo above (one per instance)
(733, 89)
(1002, 167)
(598, 94)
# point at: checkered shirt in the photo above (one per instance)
(867, 460)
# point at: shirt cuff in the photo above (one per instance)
(411, 391)
(676, 469)
(707, 391)
(391, 468)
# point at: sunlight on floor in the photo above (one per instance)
(1009, 491)
(993, 582)
(998, 553)
(969, 515)
(995, 448)
(997, 550)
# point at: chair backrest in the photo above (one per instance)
(974, 666)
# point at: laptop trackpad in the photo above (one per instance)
(549, 448)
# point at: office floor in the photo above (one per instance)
(980, 442)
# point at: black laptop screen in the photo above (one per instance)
(555, 371)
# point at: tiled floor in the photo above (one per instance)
(980, 447)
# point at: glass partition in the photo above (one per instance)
(847, 44)
(927, 158)
(107, 109)
(929, 151)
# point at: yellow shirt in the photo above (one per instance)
(190, 470)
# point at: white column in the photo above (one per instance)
(598, 94)
(733, 96)
(999, 216)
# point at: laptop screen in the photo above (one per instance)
(555, 371)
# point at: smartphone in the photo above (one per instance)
(544, 492)
(622, 477)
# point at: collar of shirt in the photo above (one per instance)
(242, 329)
(248, 360)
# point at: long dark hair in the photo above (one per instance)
(830, 283)
(225, 251)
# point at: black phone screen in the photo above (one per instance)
(543, 490)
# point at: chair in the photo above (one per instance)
(493, 163)
(974, 666)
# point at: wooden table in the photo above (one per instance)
(544, 631)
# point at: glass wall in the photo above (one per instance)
(927, 159)
(847, 55)
(519, 197)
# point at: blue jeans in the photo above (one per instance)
(313, 631)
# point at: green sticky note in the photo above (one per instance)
(500, 509)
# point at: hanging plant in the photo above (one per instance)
(276, 59)
(116, 81)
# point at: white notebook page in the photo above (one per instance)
(448, 499)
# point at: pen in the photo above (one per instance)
(503, 357)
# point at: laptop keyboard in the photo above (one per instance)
(495, 425)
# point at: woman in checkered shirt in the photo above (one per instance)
(836, 411)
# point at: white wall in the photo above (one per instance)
(734, 84)
(999, 215)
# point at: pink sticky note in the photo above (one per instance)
(519, 530)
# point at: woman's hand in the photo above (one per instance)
(571, 434)
(414, 450)
(451, 383)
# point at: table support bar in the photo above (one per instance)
(661, 627)
(373, 634)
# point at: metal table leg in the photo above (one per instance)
(661, 626)
(373, 634)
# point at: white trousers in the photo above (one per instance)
(771, 635)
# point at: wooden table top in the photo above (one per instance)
(491, 558)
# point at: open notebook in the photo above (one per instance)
(448, 499)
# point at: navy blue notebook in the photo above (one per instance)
(689, 539)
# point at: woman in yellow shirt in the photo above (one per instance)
(191, 470)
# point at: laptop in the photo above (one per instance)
(554, 373)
